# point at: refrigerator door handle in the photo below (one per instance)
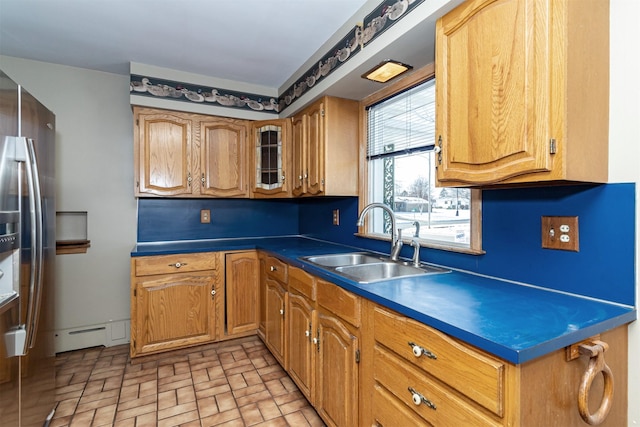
(25, 152)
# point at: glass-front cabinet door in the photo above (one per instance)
(271, 158)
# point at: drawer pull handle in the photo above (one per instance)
(273, 268)
(177, 264)
(419, 351)
(596, 365)
(419, 399)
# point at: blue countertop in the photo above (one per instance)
(515, 322)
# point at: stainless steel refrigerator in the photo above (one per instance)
(27, 255)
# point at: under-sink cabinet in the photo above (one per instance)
(301, 331)
(522, 92)
(183, 300)
(189, 155)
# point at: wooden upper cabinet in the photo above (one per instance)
(299, 149)
(162, 153)
(325, 149)
(522, 92)
(223, 158)
(189, 155)
(270, 142)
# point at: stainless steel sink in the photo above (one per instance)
(369, 273)
(365, 267)
(338, 260)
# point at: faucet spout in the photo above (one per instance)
(396, 242)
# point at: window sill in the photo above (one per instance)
(426, 244)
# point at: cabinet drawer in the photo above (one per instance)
(472, 373)
(341, 303)
(277, 269)
(402, 379)
(179, 263)
(302, 282)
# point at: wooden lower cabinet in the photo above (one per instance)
(336, 386)
(301, 348)
(173, 301)
(242, 292)
(445, 382)
(275, 304)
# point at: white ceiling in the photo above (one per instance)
(261, 42)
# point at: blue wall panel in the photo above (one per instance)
(603, 268)
(179, 219)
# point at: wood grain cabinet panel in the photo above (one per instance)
(223, 158)
(189, 155)
(522, 92)
(337, 375)
(275, 305)
(325, 149)
(242, 292)
(162, 153)
(176, 309)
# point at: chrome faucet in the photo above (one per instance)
(416, 252)
(396, 240)
(416, 224)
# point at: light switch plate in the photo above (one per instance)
(560, 232)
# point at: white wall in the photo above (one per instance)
(94, 173)
(624, 143)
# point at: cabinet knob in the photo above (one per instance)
(177, 264)
(281, 312)
(307, 333)
(213, 292)
(203, 180)
(418, 399)
(419, 351)
(273, 268)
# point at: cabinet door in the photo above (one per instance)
(299, 153)
(223, 159)
(315, 150)
(172, 311)
(274, 319)
(493, 91)
(336, 396)
(299, 334)
(162, 154)
(242, 291)
(270, 142)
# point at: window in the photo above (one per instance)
(401, 174)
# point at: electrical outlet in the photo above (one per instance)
(560, 232)
(205, 216)
(336, 217)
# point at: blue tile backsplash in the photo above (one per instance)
(603, 268)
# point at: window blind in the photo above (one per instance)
(403, 124)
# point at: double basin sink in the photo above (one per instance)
(366, 267)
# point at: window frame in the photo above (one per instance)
(419, 76)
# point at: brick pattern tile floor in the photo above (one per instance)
(233, 383)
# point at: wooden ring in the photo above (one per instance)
(596, 365)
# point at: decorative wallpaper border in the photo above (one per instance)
(186, 92)
(375, 23)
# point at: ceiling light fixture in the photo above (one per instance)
(386, 70)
